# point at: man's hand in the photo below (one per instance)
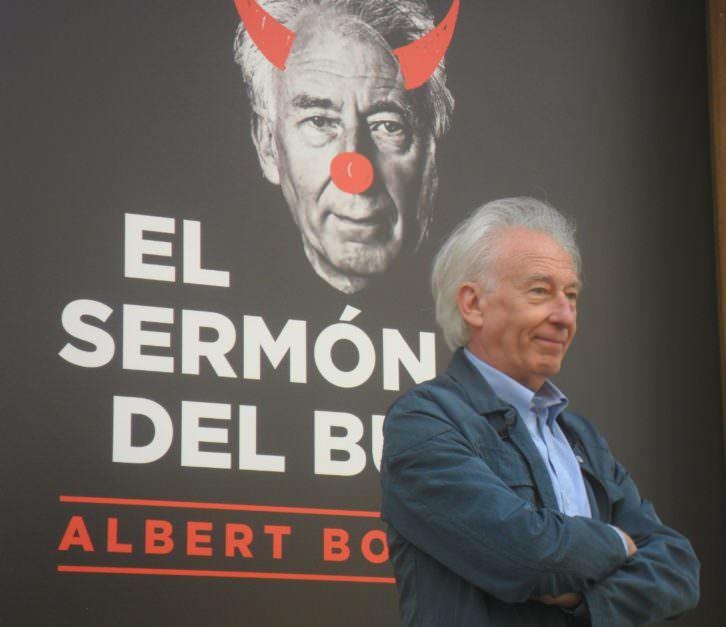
(568, 600)
(632, 548)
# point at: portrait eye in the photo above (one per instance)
(390, 134)
(388, 126)
(319, 121)
(319, 129)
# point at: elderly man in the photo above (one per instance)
(503, 508)
(340, 129)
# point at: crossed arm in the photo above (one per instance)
(572, 600)
(660, 580)
(442, 496)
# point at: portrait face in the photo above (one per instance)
(524, 322)
(344, 93)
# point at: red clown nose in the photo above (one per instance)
(351, 172)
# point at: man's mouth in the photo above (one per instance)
(554, 343)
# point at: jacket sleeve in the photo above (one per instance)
(659, 581)
(441, 496)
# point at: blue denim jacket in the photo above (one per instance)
(474, 530)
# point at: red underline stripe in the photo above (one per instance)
(64, 568)
(238, 507)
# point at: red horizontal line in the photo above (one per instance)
(238, 507)
(113, 570)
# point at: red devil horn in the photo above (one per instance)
(272, 38)
(419, 59)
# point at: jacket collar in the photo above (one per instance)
(504, 418)
(480, 393)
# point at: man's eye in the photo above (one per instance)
(538, 291)
(572, 296)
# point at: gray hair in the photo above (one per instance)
(468, 253)
(398, 23)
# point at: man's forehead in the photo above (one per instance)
(547, 276)
(532, 255)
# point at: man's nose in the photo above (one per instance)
(351, 170)
(563, 310)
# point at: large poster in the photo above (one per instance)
(216, 277)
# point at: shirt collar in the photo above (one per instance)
(524, 400)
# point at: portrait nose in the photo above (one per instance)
(352, 172)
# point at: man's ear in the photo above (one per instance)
(469, 297)
(264, 142)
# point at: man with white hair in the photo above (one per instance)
(504, 508)
(346, 125)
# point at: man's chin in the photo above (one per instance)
(549, 368)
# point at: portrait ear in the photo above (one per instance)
(266, 150)
(469, 297)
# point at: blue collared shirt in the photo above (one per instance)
(539, 412)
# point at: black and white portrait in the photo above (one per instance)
(341, 132)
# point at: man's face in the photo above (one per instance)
(528, 319)
(345, 94)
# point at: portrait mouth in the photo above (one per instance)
(370, 229)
